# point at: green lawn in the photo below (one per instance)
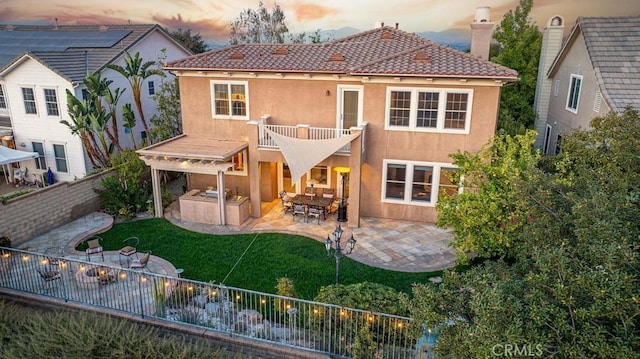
(207, 257)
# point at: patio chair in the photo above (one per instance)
(49, 274)
(141, 263)
(94, 246)
(54, 255)
(329, 193)
(310, 191)
(299, 208)
(287, 205)
(316, 211)
(130, 248)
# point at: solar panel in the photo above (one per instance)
(60, 40)
(13, 43)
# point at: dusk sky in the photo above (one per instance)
(211, 18)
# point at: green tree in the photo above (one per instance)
(259, 26)
(520, 42)
(486, 217)
(129, 122)
(167, 123)
(569, 290)
(81, 125)
(136, 71)
(193, 42)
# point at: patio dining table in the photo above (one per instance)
(312, 201)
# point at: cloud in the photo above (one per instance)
(209, 29)
(307, 11)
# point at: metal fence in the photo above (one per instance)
(318, 327)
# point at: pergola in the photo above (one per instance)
(190, 155)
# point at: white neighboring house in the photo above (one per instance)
(38, 64)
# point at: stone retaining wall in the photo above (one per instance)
(30, 215)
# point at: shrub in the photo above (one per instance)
(124, 192)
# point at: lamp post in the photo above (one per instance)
(338, 251)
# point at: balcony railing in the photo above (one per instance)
(302, 324)
(314, 133)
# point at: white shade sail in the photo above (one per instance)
(304, 154)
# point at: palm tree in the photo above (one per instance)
(129, 119)
(98, 89)
(135, 71)
(80, 126)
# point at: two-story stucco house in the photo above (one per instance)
(382, 109)
(594, 72)
(39, 63)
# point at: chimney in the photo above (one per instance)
(551, 44)
(481, 31)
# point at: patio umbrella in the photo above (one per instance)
(50, 178)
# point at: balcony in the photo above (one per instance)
(307, 132)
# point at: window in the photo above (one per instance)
(417, 183)
(321, 176)
(51, 100)
(3, 101)
(229, 99)
(29, 101)
(558, 144)
(239, 164)
(547, 137)
(85, 95)
(60, 157)
(41, 162)
(430, 110)
(151, 87)
(574, 93)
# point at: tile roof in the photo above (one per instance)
(383, 51)
(613, 44)
(63, 49)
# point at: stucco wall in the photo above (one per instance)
(296, 100)
(33, 214)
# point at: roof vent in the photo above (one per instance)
(102, 28)
(237, 56)
(337, 57)
(281, 51)
(421, 57)
(386, 36)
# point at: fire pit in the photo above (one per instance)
(101, 275)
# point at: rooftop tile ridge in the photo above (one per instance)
(202, 54)
(391, 56)
(359, 34)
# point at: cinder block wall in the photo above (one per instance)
(33, 214)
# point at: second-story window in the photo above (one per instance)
(573, 98)
(151, 87)
(51, 99)
(428, 110)
(229, 99)
(3, 101)
(29, 101)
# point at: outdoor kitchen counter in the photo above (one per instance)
(196, 206)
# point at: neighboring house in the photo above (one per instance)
(593, 73)
(37, 65)
(385, 105)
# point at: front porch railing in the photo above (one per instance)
(302, 324)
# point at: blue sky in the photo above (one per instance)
(211, 18)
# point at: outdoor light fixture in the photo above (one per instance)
(338, 251)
